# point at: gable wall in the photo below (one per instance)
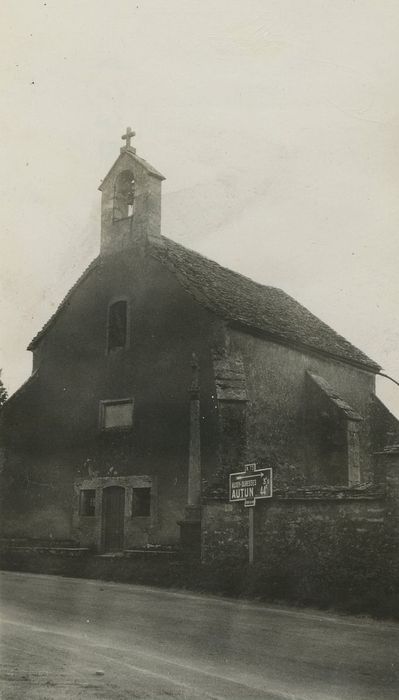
(75, 374)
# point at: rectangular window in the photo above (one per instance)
(87, 503)
(141, 502)
(116, 414)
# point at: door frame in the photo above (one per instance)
(89, 530)
(105, 492)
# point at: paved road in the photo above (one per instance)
(68, 639)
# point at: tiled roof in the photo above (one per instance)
(241, 301)
(263, 309)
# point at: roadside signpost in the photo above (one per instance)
(249, 486)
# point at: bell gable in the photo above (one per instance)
(130, 202)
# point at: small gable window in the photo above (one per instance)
(117, 325)
(116, 415)
(124, 194)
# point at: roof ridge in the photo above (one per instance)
(222, 267)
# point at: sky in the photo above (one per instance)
(275, 123)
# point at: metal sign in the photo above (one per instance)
(250, 485)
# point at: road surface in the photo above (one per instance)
(64, 639)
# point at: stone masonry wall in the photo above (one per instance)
(286, 519)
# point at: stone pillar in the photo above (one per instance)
(190, 526)
(194, 459)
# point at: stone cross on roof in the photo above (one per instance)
(128, 136)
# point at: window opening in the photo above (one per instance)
(141, 502)
(116, 414)
(124, 195)
(117, 325)
(87, 503)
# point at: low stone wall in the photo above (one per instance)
(326, 546)
(225, 526)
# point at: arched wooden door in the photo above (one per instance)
(113, 518)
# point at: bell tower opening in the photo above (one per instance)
(124, 195)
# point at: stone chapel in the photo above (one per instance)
(162, 371)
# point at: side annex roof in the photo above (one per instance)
(340, 403)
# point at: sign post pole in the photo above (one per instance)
(251, 514)
(249, 486)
